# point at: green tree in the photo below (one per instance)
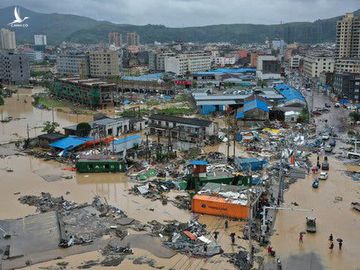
(50, 127)
(304, 116)
(355, 116)
(1, 100)
(83, 129)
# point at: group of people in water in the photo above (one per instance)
(331, 241)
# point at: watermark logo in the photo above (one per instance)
(18, 22)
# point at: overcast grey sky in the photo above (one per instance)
(194, 12)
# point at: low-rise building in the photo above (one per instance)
(351, 65)
(268, 67)
(254, 109)
(94, 93)
(14, 68)
(295, 61)
(347, 85)
(192, 130)
(69, 64)
(103, 127)
(121, 146)
(315, 65)
(104, 63)
(189, 62)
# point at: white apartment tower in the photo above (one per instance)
(40, 40)
(188, 62)
(7, 39)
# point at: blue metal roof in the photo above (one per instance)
(289, 93)
(127, 139)
(198, 162)
(233, 70)
(220, 71)
(255, 104)
(147, 77)
(240, 115)
(70, 142)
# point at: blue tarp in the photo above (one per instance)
(249, 164)
(70, 142)
(198, 162)
(126, 139)
(344, 101)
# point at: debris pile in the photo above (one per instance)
(187, 238)
(156, 189)
(240, 259)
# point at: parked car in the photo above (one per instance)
(328, 148)
(325, 137)
(332, 142)
(327, 105)
(310, 225)
(323, 176)
(325, 165)
(337, 105)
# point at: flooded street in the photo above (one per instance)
(332, 216)
(331, 204)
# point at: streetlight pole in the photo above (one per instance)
(263, 226)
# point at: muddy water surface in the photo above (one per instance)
(19, 106)
(331, 207)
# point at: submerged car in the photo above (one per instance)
(310, 225)
(316, 183)
(323, 176)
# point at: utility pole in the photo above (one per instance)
(250, 226)
(52, 115)
(28, 132)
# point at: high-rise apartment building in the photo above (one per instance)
(40, 40)
(7, 39)
(132, 39)
(115, 39)
(104, 63)
(14, 68)
(348, 37)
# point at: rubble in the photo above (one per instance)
(145, 260)
(187, 238)
(240, 259)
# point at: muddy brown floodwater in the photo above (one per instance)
(332, 216)
(28, 171)
(19, 106)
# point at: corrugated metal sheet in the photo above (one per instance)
(255, 104)
(70, 143)
(127, 139)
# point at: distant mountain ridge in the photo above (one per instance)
(60, 27)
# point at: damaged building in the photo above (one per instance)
(193, 130)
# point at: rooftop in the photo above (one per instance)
(181, 120)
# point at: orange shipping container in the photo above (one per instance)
(217, 206)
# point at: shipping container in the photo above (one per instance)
(217, 206)
(100, 166)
